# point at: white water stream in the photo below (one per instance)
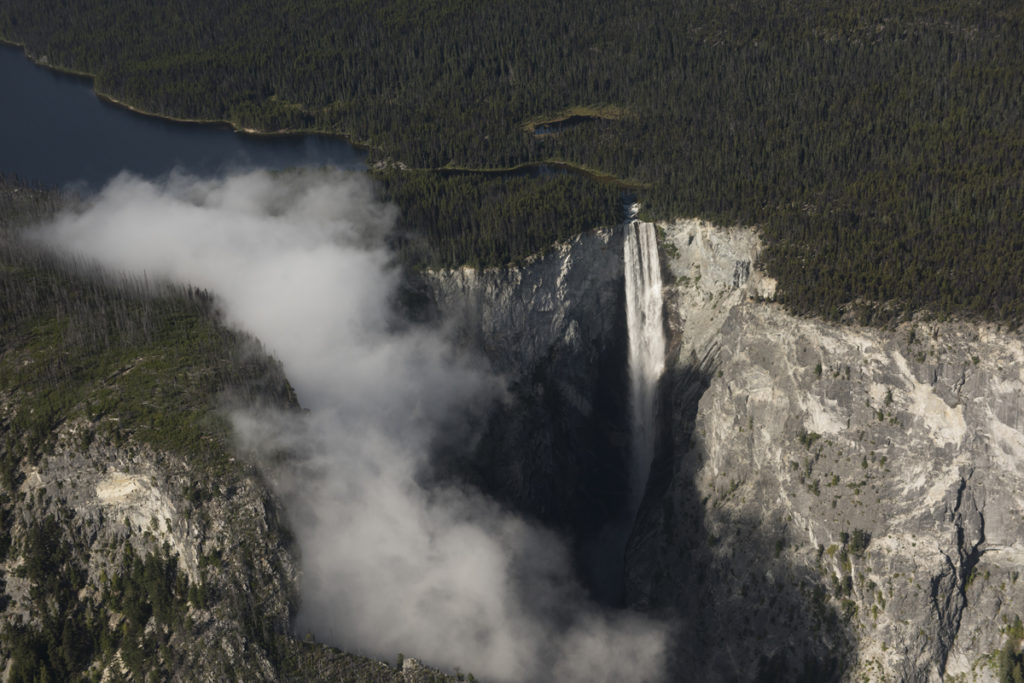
(605, 552)
(646, 346)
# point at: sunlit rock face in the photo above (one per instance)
(835, 500)
(826, 501)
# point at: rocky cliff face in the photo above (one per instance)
(831, 499)
(827, 501)
(554, 327)
(225, 588)
(564, 300)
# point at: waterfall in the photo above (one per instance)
(646, 347)
(605, 552)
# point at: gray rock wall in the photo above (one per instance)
(809, 441)
(563, 300)
(556, 448)
(108, 495)
(827, 502)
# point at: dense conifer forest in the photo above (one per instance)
(465, 218)
(88, 324)
(878, 146)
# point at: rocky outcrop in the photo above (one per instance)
(832, 499)
(157, 561)
(103, 506)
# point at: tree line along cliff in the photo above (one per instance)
(879, 148)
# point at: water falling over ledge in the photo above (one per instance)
(604, 553)
(646, 347)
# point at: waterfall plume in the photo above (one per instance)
(646, 346)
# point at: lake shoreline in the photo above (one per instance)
(572, 167)
(227, 123)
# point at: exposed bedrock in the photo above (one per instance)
(827, 501)
(556, 448)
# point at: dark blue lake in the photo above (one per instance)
(56, 131)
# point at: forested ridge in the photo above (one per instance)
(878, 146)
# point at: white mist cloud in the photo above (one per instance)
(390, 564)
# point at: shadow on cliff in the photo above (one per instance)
(557, 449)
(745, 610)
(558, 452)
